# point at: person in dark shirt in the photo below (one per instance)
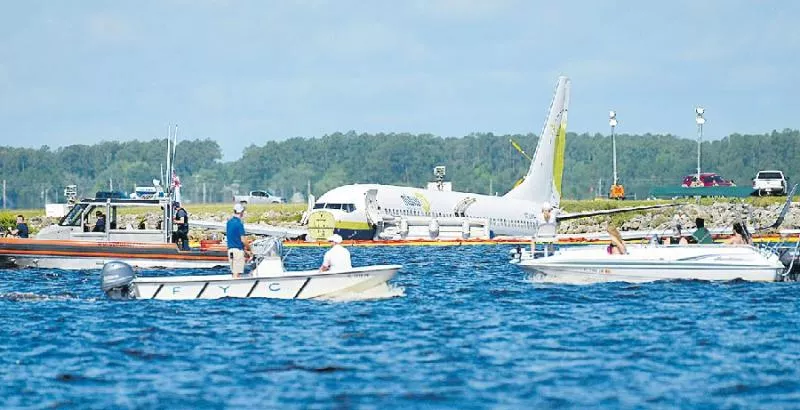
(701, 235)
(181, 234)
(22, 228)
(100, 224)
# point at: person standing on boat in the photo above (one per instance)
(181, 234)
(238, 245)
(337, 257)
(22, 228)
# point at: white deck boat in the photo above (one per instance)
(268, 280)
(645, 263)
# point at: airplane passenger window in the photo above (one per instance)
(319, 206)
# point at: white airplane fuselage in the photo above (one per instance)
(343, 210)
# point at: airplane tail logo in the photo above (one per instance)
(542, 183)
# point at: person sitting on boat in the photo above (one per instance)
(100, 224)
(701, 235)
(238, 245)
(617, 245)
(21, 230)
(337, 257)
(181, 234)
(740, 235)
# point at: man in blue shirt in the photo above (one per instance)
(100, 224)
(238, 245)
(22, 227)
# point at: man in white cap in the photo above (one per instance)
(547, 227)
(337, 257)
(238, 245)
(548, 216)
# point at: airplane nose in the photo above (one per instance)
(321, 225)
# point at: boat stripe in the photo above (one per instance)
(308, 279)
(252, 289)
(157, 290)
(202, 290)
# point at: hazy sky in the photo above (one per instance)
(243, 72)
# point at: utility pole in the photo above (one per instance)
(612, 121)
(700, 120)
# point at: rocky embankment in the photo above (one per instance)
(717, 215)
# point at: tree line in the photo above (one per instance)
(479, 162)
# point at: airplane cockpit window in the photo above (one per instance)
(343, 207)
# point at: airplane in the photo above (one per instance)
(355, 211)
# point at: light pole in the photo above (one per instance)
(612, 121)
(699, 111)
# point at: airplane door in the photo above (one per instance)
(371, 209)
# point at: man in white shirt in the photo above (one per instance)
(337, 257)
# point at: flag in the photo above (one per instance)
(176, 181)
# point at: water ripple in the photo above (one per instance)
(465, 329)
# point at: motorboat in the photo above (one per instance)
(69, 245)
(268, 279)
(645, 263)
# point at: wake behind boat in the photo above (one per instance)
(268, 280)
(648, 263)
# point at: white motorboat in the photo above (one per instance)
(646, 263)
(267, 280)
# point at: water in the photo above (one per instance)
(469, 332)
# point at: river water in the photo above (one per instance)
(468, 330)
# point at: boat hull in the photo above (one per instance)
(652, 263)
(292, 285)
(66, 254)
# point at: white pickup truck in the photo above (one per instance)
(258, 197)
(770, 182)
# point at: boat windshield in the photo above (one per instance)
(73, 218)
(267, 247)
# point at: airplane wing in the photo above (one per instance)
(782, 215)
(586, 214)
(256, 229)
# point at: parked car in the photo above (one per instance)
(706, 179)
(258, 197)
(770, 182)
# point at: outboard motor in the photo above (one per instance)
(791, 261)
(116, 280)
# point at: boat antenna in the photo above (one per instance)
(174, 145)
(167, 170)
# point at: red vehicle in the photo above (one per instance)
(706, 179)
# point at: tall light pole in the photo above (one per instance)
(699, 111)
(612, 121)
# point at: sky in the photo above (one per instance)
(248, 72)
